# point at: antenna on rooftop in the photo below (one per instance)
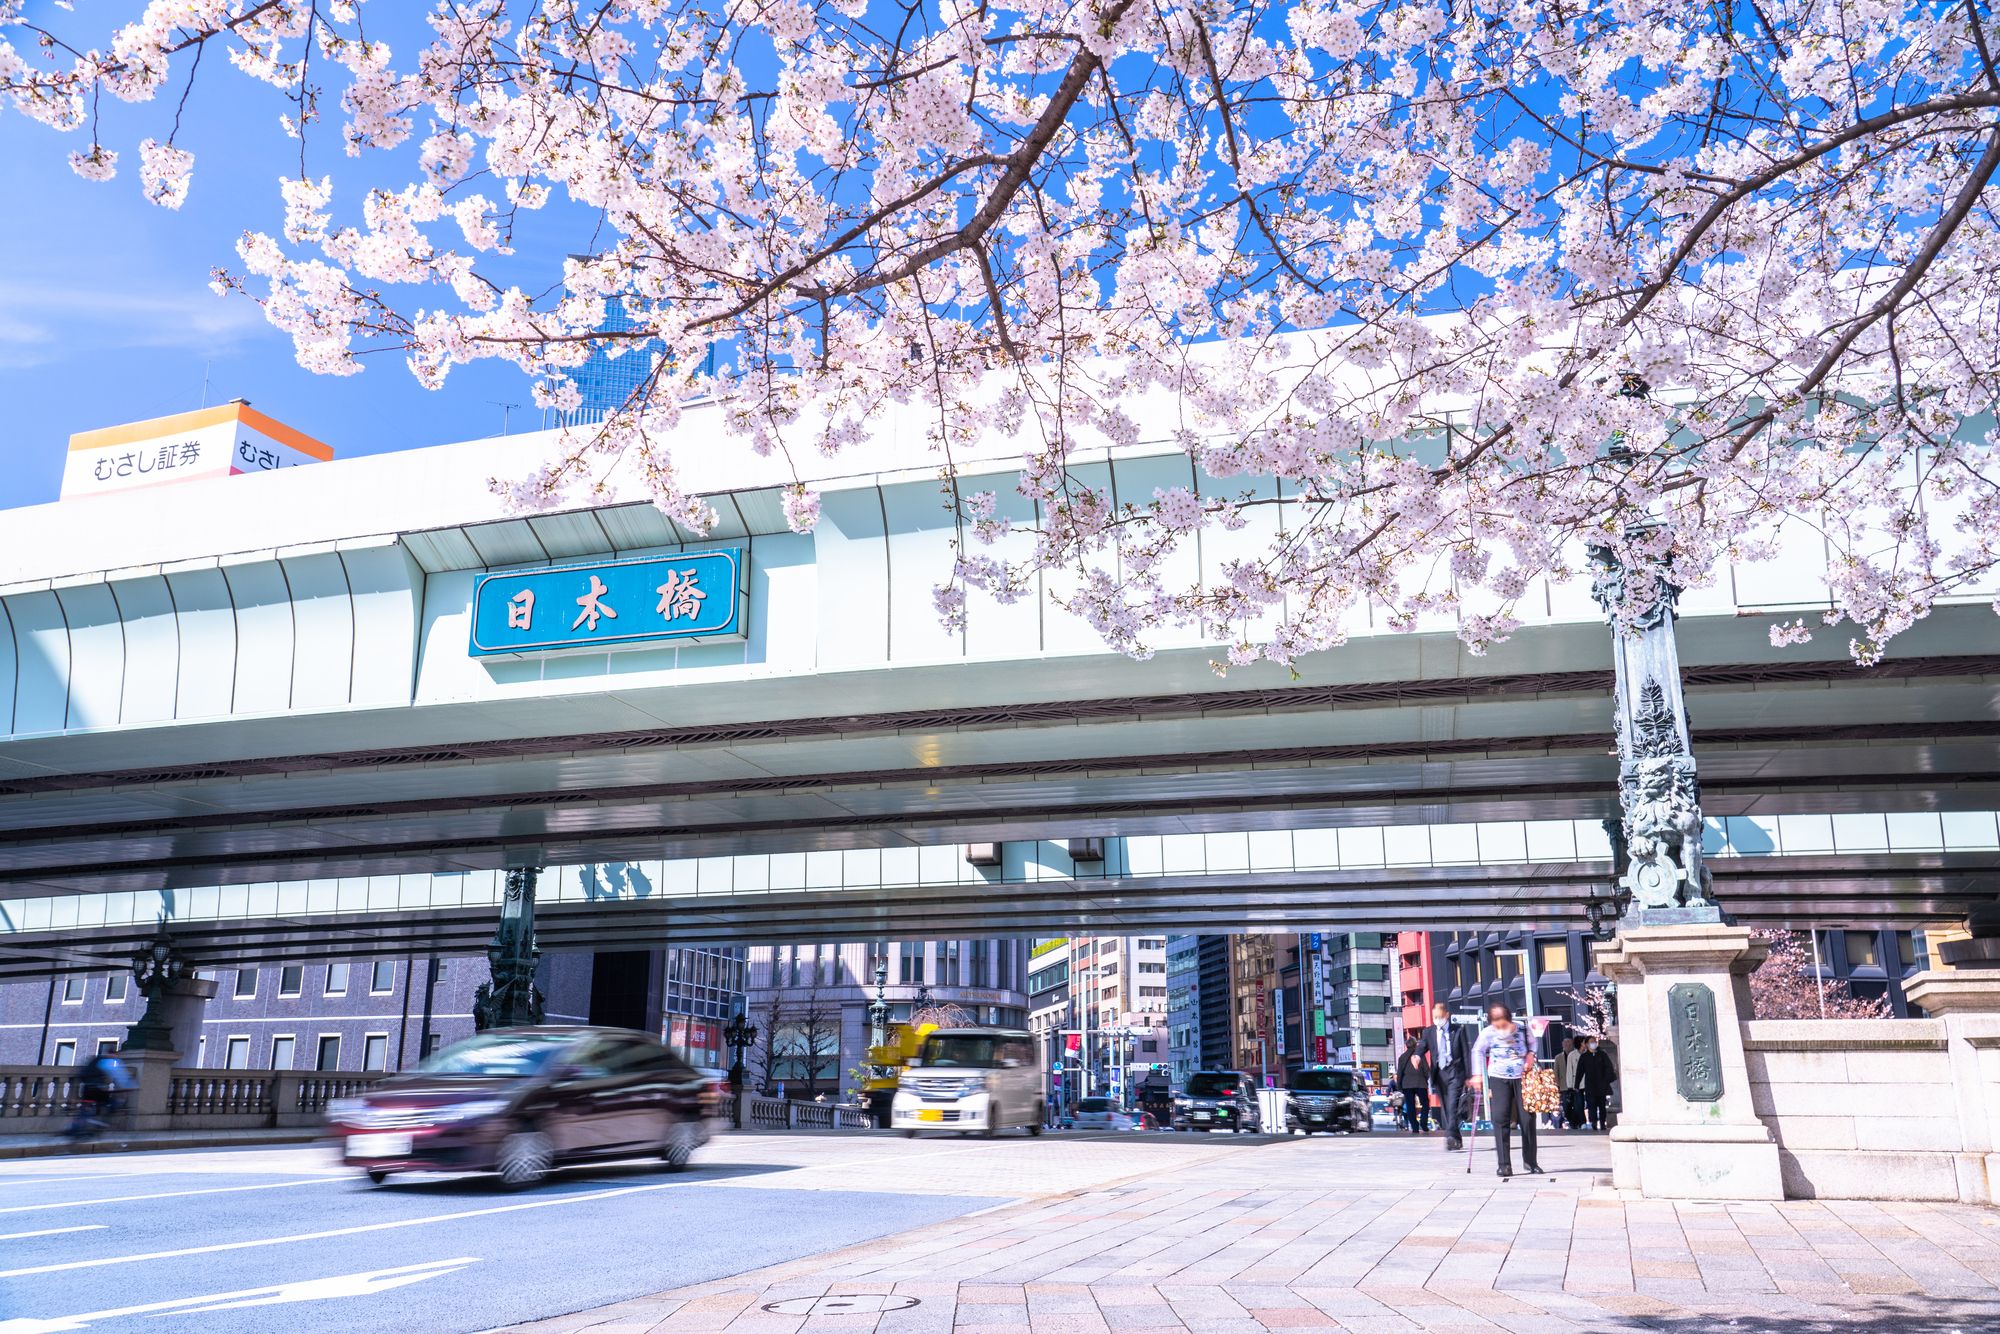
(505, 410)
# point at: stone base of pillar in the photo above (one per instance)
(1688, 1129)
(146, 1105)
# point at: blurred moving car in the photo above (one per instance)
(523, 1101)
(1381, 1113)
(1217, 1100)
(1324, 1098)
(1102, 1114)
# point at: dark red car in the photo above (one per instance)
(523, 1101)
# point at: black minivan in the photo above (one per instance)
(1217, 1100)
(1324, 1098)
(522, 1101)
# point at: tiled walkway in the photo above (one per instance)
(1373, 1235)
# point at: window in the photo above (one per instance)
(375, 1052)
(1146, 943)
(281, 1052)
(976, 974)
(1907, 951)
(947, 965)
(291, 980)
(1108, 969)
(384, 979)
(433, 1043)
(1553, 956)
(72, 989)
(1150, 1044)
(107, 1046)
(246, 985)
(114, 988)
(336, 985)
(238, 1057)
(329, 1051)
(1861, 950)
(1152, 991)
(1150, 967)
(65, 1053)
(912, 961)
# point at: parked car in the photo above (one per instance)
(982, 1080)
(1217, 1100)
(523, 1101)
(1103, 1114)
(1327, 1099)
(1381, 1113)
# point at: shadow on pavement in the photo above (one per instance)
(1949, 1316)
(644, 1173)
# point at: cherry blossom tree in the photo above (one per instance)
(1436, 296)
(1788, 985)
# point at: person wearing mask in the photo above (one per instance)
(1597, 1074)
(1413, 1077)
(1448, 1058)
(1566, 1082)
(1499, 1059)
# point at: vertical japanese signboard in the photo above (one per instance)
(697, 597)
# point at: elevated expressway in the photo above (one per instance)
(264, 682)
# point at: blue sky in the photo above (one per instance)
(105, 311)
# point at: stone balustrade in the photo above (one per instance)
(42, 1099)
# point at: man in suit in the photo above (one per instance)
(1448, 1049)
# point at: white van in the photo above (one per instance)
(972, 1080)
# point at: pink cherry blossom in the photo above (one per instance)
(1431, 298)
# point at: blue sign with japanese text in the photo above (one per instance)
(697, 596)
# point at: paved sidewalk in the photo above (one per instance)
(1375, 1235)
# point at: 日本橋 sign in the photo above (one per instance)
(696, 597)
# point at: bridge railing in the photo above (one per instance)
(42, 1099)
(760, 1113)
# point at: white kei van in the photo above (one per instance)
(972, 1080)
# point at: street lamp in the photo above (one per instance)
(738, 1035)
(155, 969)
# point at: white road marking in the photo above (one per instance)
(305, 1290)
(51, 1231)
(578, 1198)
(170, 1194)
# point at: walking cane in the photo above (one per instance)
(1472, 1140)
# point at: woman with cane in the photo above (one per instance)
(1500, 1059)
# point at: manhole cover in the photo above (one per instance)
(861, 1303)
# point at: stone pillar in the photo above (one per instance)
(146, 1105)
(1688, 1129)
(1968, 1004)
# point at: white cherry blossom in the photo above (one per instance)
(1435, 295)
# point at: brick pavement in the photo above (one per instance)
(1375, 1235)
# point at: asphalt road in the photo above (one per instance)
(176, 1252)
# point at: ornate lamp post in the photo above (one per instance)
(155, 970)
(738, 1035)
(878, 1009)
(512, 999)
(1662, 880)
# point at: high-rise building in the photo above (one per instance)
(810, 1002)
(1183, 1006)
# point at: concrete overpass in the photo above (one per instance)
(276, 680)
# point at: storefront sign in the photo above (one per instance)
(696, 597)
(226, 441)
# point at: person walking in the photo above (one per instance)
(1499, 1059)
(1597, 1074)
(1448, 1059)
(1413, 1077)
(1566, 1082)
